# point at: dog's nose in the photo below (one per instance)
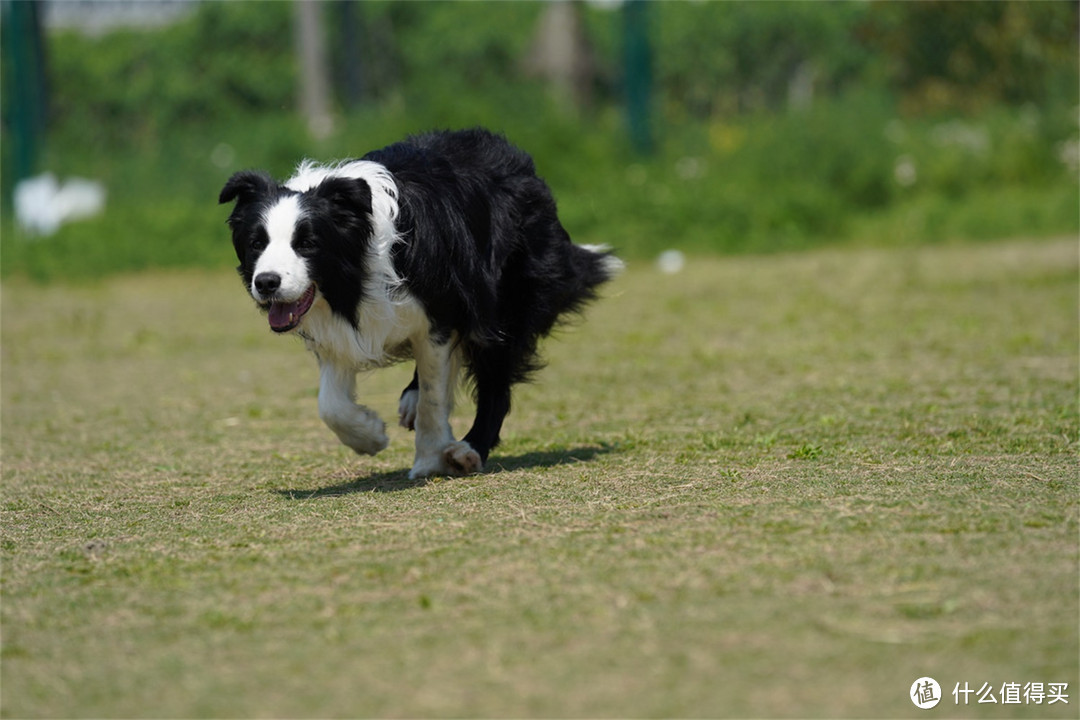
(267, 283)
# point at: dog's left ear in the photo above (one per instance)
(245, 185)
(346, 196)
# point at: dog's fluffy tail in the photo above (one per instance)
(607, 264)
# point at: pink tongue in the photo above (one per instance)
(282, 315)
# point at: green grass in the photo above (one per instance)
(766, 486)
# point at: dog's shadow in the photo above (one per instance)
(398, 480)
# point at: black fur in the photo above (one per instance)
(485, 253)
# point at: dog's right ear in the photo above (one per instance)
(246, 185)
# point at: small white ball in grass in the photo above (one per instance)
(670, 262)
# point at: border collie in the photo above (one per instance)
(445, 248)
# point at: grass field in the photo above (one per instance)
(766, 486)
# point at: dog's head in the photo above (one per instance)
(299, 248)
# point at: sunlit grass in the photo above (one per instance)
(785, 485)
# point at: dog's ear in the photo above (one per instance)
(246, 185)
(346, 196)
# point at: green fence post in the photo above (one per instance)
(25, 77)
(637, 56)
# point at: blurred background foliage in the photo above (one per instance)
(775, 126)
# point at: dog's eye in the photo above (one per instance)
(304, 242)
(259, 241)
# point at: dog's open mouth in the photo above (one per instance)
(284, 316)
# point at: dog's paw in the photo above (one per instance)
(367, 445)
(456, 459)
(410, 399)
(356, 426)
(462, 459)
(365, 435)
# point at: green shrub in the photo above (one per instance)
(164, 117)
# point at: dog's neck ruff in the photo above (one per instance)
(381, 338)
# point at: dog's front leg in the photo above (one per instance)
(356, 426)
(436, 451)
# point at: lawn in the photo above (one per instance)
(782, 485)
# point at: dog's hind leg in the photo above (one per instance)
(356, 426)
(492, 403)
(436, 451)
(410, 400)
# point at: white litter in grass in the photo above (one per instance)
(670, 262)
(43, 204)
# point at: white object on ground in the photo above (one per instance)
(43, 204)
(670, 262)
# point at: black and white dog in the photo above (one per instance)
(445, 248)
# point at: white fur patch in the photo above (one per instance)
(385, 330)
(279, 257)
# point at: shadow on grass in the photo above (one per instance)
(399, 479)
